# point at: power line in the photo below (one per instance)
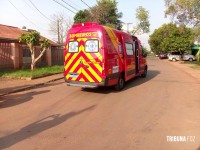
(23, 14)
(75, 4)
(29, 5)
(70, 5)
(39, 11)
(64, 6)
(86, 4)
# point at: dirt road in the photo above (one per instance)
(161, 111)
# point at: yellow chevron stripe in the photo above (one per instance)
(82, 80)
(95, 74)
(96, 64)
(87, 76)
(74, 66)
(81, 48)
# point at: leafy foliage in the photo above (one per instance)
(169, 38)
(143, 24)
(185, 12)
(32, 39)
(82, 16)
(105, 13)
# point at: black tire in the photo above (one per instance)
(190, 59)
(174, 59)
(120, 84)
(145, 73)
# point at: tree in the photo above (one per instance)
(82, 16)
(59, 27)
(32, 39)
(169, 38)
(143, 24)
(105, 13)
(185, 12)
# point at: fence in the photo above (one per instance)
(6, 57)
(57, 56)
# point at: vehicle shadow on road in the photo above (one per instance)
(139, 80)
(130, 84)
(38, 127)
(13, 100)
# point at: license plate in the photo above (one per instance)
(73, 75)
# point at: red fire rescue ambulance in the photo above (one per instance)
(97, 55)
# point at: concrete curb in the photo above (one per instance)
(30, 87)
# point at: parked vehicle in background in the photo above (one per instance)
(174, 56)
(163, 55)
(188, 57)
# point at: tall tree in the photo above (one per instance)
(32, 39)
(185, 12)
(82, 16)
(105, 13)
(59, 27)
(169, 37)
(143, 24)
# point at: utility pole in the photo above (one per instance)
(127, 28)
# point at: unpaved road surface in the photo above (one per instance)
(151, 113)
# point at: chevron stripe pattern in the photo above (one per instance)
(83, 66)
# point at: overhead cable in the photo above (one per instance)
(39, 11)
(64, 6)
(70, 5)
(86, 4)
(24, 15)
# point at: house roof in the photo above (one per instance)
(11, 33)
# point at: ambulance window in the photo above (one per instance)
(129, 49)
(73, 47)
(92, 46)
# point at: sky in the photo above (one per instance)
(36, 14)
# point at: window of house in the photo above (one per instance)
(26, 51)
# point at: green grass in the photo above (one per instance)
(193, 64)
(27, 73)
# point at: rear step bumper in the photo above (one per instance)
(84, 84)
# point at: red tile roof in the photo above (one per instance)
(13, 33)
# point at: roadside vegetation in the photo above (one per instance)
(27, 73)
(194, 64)
(182, 33)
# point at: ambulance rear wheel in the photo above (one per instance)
(144, 74)
(120, 85)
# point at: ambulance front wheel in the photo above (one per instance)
(120, 84)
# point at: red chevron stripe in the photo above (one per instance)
(70, 56)
(72, 63)
(90, 74)
(82, 76)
